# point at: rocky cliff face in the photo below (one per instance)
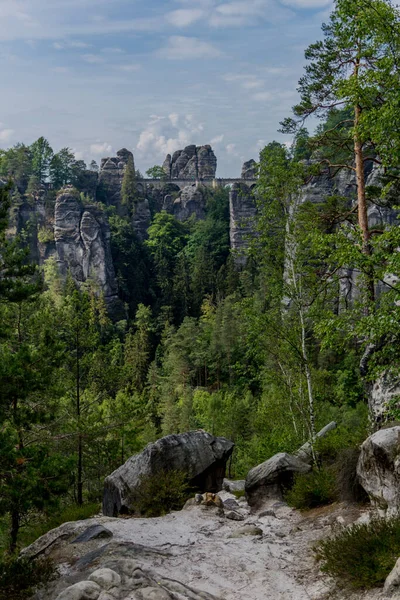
(249, 169)
(194, 162)
(82, 239)
(243, 211)
(190, 201)
(110, 177)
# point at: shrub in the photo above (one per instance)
(45, 234)
(313, 489)
(363, 555)
(160, 493)
(20, 577)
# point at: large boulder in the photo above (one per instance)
(200, 455)
(378, 469)
(268, 480)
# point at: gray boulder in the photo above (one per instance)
(200, 455)
(268, 480)
(93, 532)
(378, 469)
(233, 486)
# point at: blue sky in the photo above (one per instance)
(153, 75)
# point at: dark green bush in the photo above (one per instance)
(361, 556)
(20, 577)
(158, 494)
(313, 489)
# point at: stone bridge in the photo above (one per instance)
(182, 183)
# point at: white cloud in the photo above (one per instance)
(231, 150)
(307, 3)
(248, 82)
(113, 51)
(93, 59)
(5, 134)
(101, 148)
(263, 96)
(218, 139)
(128, 68)
(70, 44)
(165, 135)
(184, 17)
(187, 48)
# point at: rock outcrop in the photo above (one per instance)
(249, 169)
(141, 218)
(243, 211)
(378, 469)
(201, 456)
(111, 175)
(268, 480)
(190, 201)
(194, 162)
(82, 238)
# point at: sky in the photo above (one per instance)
(153, 75)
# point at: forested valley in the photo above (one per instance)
(265, 352)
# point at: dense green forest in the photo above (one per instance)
(264, 355)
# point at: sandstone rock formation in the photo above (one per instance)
(194, 162)
(268, 480)
(392, 583)
(249, 169)
(190, 201)
(82, 239)
(141, 218)
(197, 453)
(243, 210)
(110, 177)
(378, 469)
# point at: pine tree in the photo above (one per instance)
(128, 189)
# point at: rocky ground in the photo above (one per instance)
(197, 553)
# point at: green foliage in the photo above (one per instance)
(161, 493)
(45, 235)
(156, 172)
(128, 188)
(42, 155)
(20, 577)
(363, 555)
(313, 489)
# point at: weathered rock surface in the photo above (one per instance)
(378, 469)
(82, 238)
(191, 201)
(268, 480)
(93, 532)
(200, 455)
(111, 175)
(392, 583)
(190, 555)
(233, 486)
(242, 207)
(141, 218)
(249, 169)
(194, 162)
